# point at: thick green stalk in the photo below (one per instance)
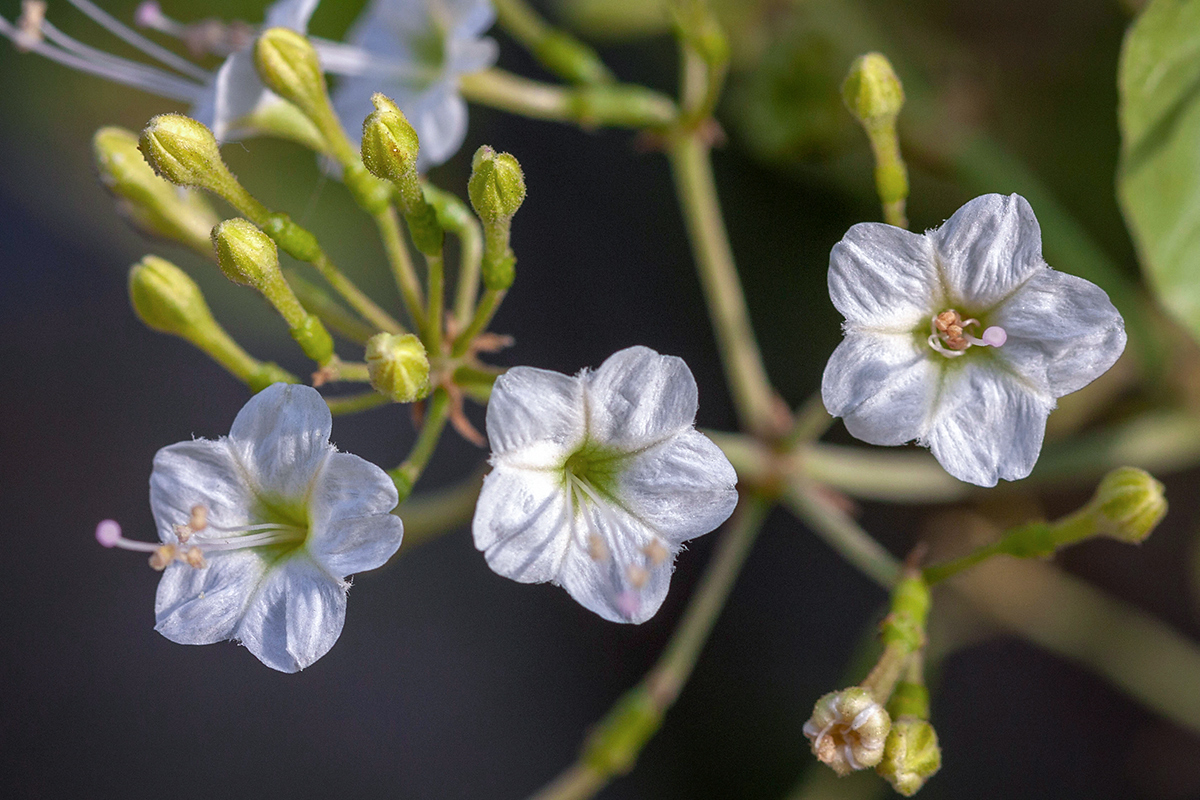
(479, 322)
(602, 105)
(354, 403)
(558, 51)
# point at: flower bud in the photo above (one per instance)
(911, 755)
(497, 185)
(288, 65)
(398, 366)
(1129, 504)
(871, 90)
(149, 203)
(166, 299)
(848, 730)
(389, 143)
(185, 152)
(247, 255)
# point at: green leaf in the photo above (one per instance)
(1159, 179)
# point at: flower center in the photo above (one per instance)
(949, 334)
(196, 539)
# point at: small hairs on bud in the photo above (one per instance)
(288, 65)
(871, 90)
(1129, 503)
(496, 186)
(166, 299)
(184, 152)
(246, 255)
(398, 366)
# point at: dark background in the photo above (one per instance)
(449, 681)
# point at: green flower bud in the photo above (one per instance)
(871, 90)
(911, 755)
(398, 366)
(166, 299)
(389, 150)
(185, 152)
(247, 255)
(848, 730)
(1128, 505)
(150, 204)
(497, 185)
(288, 65)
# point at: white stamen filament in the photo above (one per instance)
(132, 37)
(993, 336)
(108, 533)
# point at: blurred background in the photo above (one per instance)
(449, 681)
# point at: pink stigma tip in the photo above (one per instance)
(147, 14)
(108, 533)
(995, 336)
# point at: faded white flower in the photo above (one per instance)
(598, 479)
(413, 51)
(259, 530)
(962, 338)
(231, 100)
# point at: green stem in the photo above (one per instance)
(357, 299)
(437, 301)
(406, 474)
(454, 217)
(614, 745)
(430, 514)
(616, 105)
(388, 222)
(748, 383)
(335, 317)
(843, 534)
(351, 372)
(812, 420)
(354, 403)
(557, 51)
(483, 315)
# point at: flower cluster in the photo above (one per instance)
(962, 338)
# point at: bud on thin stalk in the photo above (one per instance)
(151, 204)
(398, 366)
(497, 190)
(874, 95)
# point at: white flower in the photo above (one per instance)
(962, 338)
(598, 479)
(227, 100)
(413, 51)
(259, 530)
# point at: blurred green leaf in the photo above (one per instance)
(1159, 178)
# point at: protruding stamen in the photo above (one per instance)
(949, 336)
(29, 25)
(108, 533)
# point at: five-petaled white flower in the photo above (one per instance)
(260, 528)
(962, 338)
(598, 479)
(414, 51)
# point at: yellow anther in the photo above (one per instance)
(637, 576)
(655, 552)
(597, 550)
(163, 556)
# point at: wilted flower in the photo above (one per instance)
(962, 338)
(413, 51)
(598, 479)
(260, 528)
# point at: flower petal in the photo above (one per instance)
(681, 489)
(440, 120)
(295, 616)
(638, 397)
(624, 585)
(883, 277)
(882, 385)
(523, 523)
(535, 417)
(203, 473)
(237, 92)
(292, 14)
(351, 529)
(1063, 332)
(202, 606)
(988, 248)
(281, 438)
(989, 424)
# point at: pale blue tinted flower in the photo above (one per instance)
(962, 338)
(261, 528)
(597, 480)
(413, 51)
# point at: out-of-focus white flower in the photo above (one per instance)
(228, 100)
(598, 479)
(413, 51)
(259, 530)
(962, 338)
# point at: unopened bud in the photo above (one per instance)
(185, 152)
(389, 142)
(848, 730)
(398, 366)
(911, 755)
(288, 65)
(149, 203)
(1129, 503)
(871, 90)
(247, 255)
(166, 299)
(497, 185)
